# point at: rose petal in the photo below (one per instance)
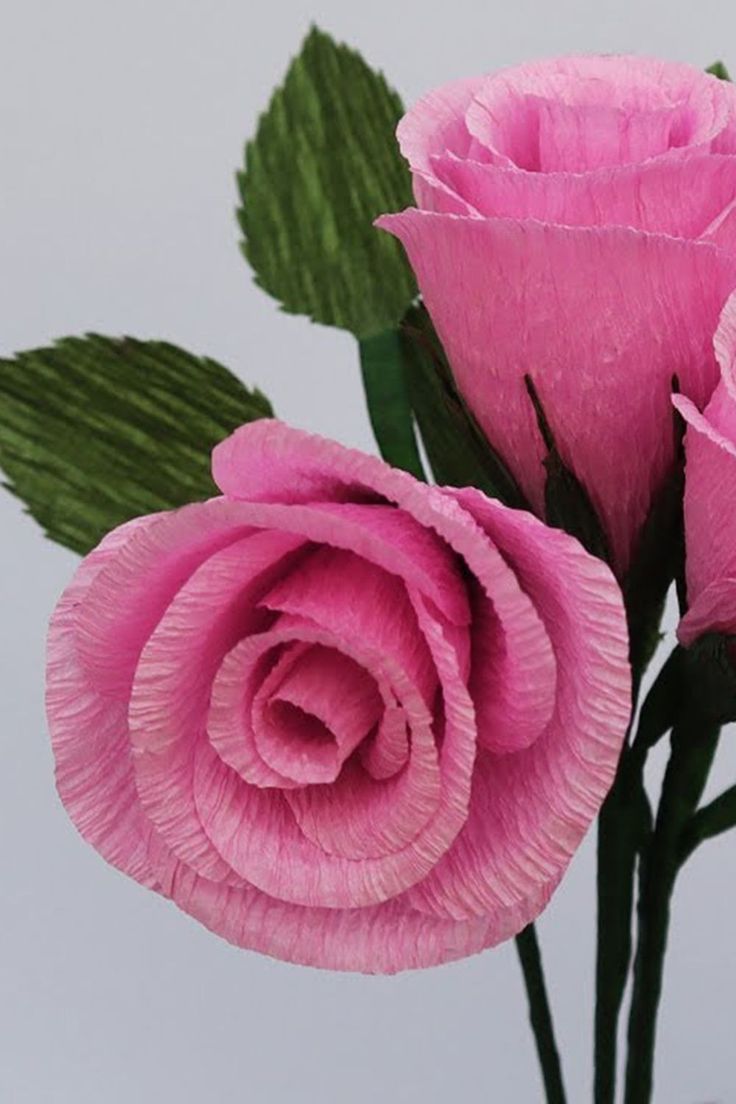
(682, 199)
(508, 298)
(379, 940)
(168, 705)
(529, 811)
(89, 734)
(256, 832)
(580, 112)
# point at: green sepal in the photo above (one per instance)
(718, 69)
(567, 503)
(457, 450)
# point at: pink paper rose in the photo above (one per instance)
(337, 715)
(577, 222)
(710, 497)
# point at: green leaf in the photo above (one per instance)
(384, 380)
(324, 163)
(718, 69)
(567, 505)
(96, 430)
(458, 452)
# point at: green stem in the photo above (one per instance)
(540, 1015)
(387, 396)
(620, 829)
(624, 823)
(719, 816)
(693, 747)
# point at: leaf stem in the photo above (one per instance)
(387, 396)
(711, 820)
(540, 1015)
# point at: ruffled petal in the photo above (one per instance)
(170, 695)
(382, 939)
(257, 833)
(89, 734)
(530, 810)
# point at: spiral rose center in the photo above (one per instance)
(312, 711)
(579, 126)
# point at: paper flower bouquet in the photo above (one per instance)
(358, 712)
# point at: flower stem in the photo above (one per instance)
(540, 1015)
(619, 831)
(693, 747)
(719, 816)
(623, 827)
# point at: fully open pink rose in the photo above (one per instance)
(577, 222)
(338, 715)
(710, 497)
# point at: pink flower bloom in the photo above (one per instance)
(710, 496)
(337, 715)
(577, 222)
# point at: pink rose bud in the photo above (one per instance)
(577, 222)
(337, 715)
(710, 497)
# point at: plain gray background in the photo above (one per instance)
(121, 125)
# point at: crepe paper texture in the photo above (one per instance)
(576, 222)
(337, 715)
(710, 494)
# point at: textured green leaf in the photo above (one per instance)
(96, 430)
(458, 452)
(387, 395)
(323, 164)
(718, 69)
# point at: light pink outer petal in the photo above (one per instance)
(383, 939)
(435, 124)
(600, 318)
(89, 736)
(530, 810)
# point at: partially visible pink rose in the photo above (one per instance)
(710, 497)
(577, 222)
(337, 715)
